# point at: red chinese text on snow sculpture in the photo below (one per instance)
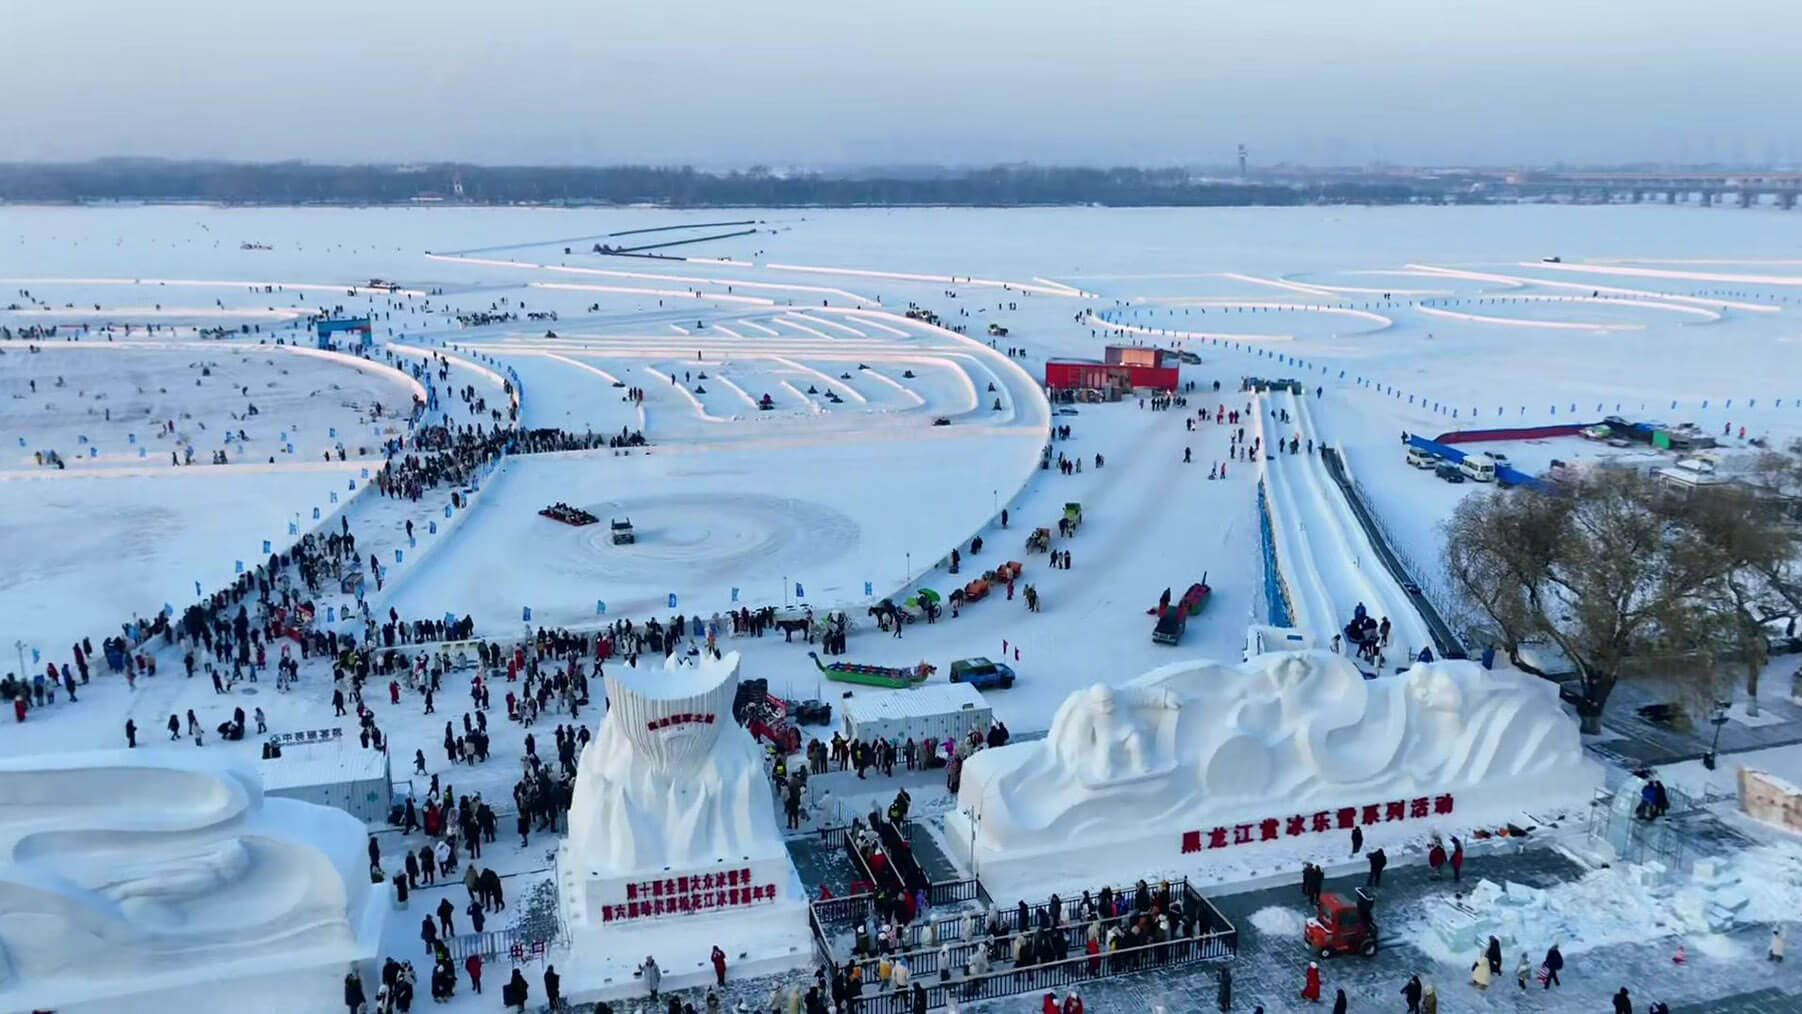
(1318, 822)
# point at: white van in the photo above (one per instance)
(1479, 467)
(1421, 459)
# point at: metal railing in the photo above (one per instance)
(1217, 945)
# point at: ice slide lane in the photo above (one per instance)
(1309, 601)
(1444, 640)
(1409, 629)
(1326, 549)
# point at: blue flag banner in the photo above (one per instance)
(450, 619)
(34, 656)
(334, 496)
(293, 528)
(431, 528)
(868, 589)
(315, 514)
(353, 483)
(600, 608)
(447, 510)
(672, 600)
(735, 594)
(397, 556)
(525, 614)
(267, 547)
(168, 610)
(332, 431)
(799, 593)
(142, 453)
(365, 473)
(238, 566)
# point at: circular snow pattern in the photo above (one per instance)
(692, 534)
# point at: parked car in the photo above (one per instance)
(982, 673)
(1449, 472)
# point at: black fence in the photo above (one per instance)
(920, 941)
(1214, 946)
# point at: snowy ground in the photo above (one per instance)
(1415, 319)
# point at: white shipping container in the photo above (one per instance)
(932, 711)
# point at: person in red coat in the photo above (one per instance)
(1072, 1003)
(1050, 1005)
(1457, 859)
(1094, 950)
(473, 965)
(1436, 856)
(719, 965)
(1311, 991)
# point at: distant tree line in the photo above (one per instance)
(681, 187)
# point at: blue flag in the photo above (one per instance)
(266, 546)
(800, 594)
(238, 566)
(397, 556)
(525, 614)
(315, 514)
(197, 591)
(867, 590)
(600, 608)
(672, 600)
(735, 594)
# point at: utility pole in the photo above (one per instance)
(1241, 162)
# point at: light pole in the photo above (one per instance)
(1719, 718)
(974, 813)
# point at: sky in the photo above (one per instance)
(825, 83)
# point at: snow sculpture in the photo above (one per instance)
(672, 836)
(1196, 744)
(671, 779)
(132, 871)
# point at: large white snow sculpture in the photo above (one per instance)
(673, 844)
(133, 874)
(671, 779)
(1188, 752)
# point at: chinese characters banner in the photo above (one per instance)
(1320, 821)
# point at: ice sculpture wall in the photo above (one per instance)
(1196, 744)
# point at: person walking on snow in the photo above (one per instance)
(1411, 993)
(1554, 961)
(1310, 990)
(1776, 953)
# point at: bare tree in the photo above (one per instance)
(1608, 570)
